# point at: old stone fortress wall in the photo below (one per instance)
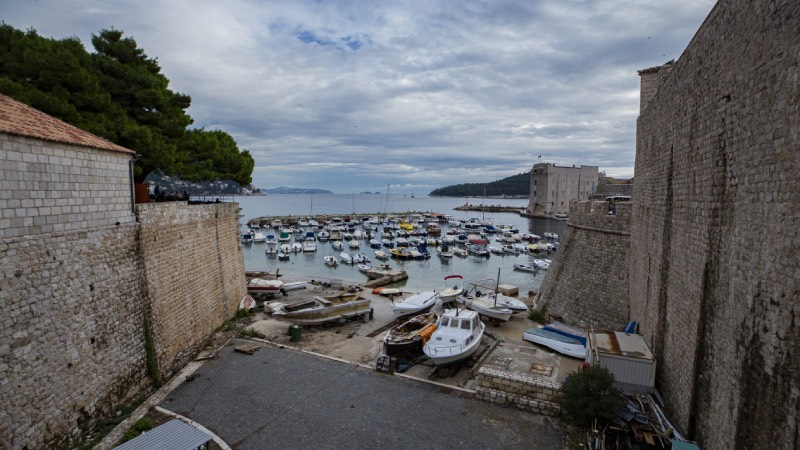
(710, 265)
(83, 270)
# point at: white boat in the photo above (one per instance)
(477, 250)
(337, 245)
(453, 287)
(555, 341)
(364, 267)
(330, 261)
(359, 258)
(510, 248)
(415, 304)
(317, 310)
(541, 264)
(458, 251)
(484, 305)
(374, 243)
(259, 236)
(496, 250)
(297, 247)
(323, 235)
(380, 254)
(272, 247)
(286, 248)
(353, 244)
(525, 267)
(282, 256)
(263, 288)
(514, 304)
(309, 246)
(345, 258)
(247, 238)
(457, 337)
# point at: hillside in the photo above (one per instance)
(513, 186)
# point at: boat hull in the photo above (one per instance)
(322, 314)
(554, 341)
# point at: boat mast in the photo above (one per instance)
(496, 286)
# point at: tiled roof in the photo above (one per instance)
(22, 120)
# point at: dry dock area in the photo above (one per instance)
(502, 353)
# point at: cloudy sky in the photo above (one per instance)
(354, 96)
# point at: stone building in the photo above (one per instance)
(553, 187)
(99, 297)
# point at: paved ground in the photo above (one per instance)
(282, 398)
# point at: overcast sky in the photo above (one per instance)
(354, 96)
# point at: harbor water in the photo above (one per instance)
(423, 274)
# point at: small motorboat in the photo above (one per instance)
(309, 246)
(353, 243)
(514, 304)
(297, 247)
(449, 293)
(317, 310)
(525, 267)
(555, 341)
(337, 245)
(331, 261)
(364, 267)
(458, 335)
(282, 256)
(380, 254)
(345, 258)
(414, 304)
(542, 264)
(410, 335)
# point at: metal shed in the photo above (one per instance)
(173, 435)
(627, 356)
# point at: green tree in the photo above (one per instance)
(156, 116)
(589, 394)
(209, 154)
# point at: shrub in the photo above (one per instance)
(589, 394)
(141, 425)
(249, 332)
(538, 315)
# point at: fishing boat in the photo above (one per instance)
(263, 288)
(316, 310)
(453, 287)
(457, 337)
(410, 335)
(415, 304)
(555, 341)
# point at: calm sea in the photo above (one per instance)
(422, 275)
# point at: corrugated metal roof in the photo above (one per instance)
(622, 344)
(173, 435)
(20, 119)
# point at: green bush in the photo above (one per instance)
(243, 313)
(141, 425)
(589, 394)
(249, 332)
(538, 315)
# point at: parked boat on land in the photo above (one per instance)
(317, 310)
(555, 341)
(263, 288)
(567, 331)
(415, 304)
(410, 335)
(457, 337)
(453, 287)
(514, 304)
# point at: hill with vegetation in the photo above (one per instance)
(518, 186)
(120, 94)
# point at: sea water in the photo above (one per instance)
(422, 275)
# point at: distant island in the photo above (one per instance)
(293, 190)
(515, 186)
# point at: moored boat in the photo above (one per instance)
(410, 335)
(525, 267)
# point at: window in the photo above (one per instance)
(465, 325)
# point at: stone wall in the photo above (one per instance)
(554, 187)
(71, 335)
(716, 233)
(48, 187)
(528, 393)
(587, 283)
(194, 273)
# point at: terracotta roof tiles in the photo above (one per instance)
(22, 120)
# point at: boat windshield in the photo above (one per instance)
(445, 321)
(465, 325)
